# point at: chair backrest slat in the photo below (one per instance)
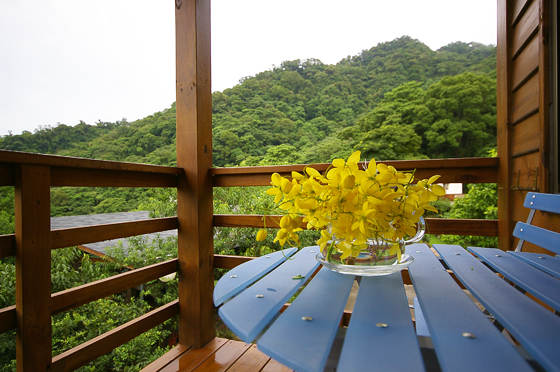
(543, 202)
(543, 238)
(526, 232)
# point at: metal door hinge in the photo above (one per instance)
(516, 187)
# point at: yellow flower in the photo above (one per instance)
(276, 179)
(356, 204)
(261, 235)
(349, 181)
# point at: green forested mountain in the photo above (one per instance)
(306, 111)
(51, 140)
(397, 100)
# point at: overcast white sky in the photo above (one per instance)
(62, 61)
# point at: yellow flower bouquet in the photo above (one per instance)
(352, 206)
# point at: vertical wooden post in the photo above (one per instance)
(33, 268)
(544, 96)
(505, 222)
(194, 155)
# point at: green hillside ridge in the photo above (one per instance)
(397, 100)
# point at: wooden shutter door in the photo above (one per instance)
(523, 105)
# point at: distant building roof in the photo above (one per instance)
(98, 248)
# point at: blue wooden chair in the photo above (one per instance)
(540, 277)
(535, 327)
(543, 238)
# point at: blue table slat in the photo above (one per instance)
(421, 326)
(541, 285)
(370, 346)
(240, 277)
(304, 345)
(546, 239)
(536, 328)
(542, 202)
(546, 263)
(246, 314)
(450, 313)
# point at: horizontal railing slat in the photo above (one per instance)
(61, 176)
(8, 319)
(68, 171)
(7, 245)
(83, 235)
(69, 237)
(476, 227)
(245, 220)
(461, 170)
(15, 157)
(7, 175)
(229, 262)
(62, 238)
(77, 296)
(465, 226)
(94, 348)
(86, 177)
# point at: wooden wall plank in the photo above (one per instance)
(526, 100)
(526, 64)
(519, 214)
(69, 237)
(526, 136)
(33, 268)
(518, 8)
(92, 349)
(194, 155)
(65, 176)
(526, 27)
(524, 168)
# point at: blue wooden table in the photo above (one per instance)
(454, 334)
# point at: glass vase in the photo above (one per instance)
(375, 259)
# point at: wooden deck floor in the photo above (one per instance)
(216, 356)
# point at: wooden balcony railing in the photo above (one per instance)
(464, 170)
(33, 175)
